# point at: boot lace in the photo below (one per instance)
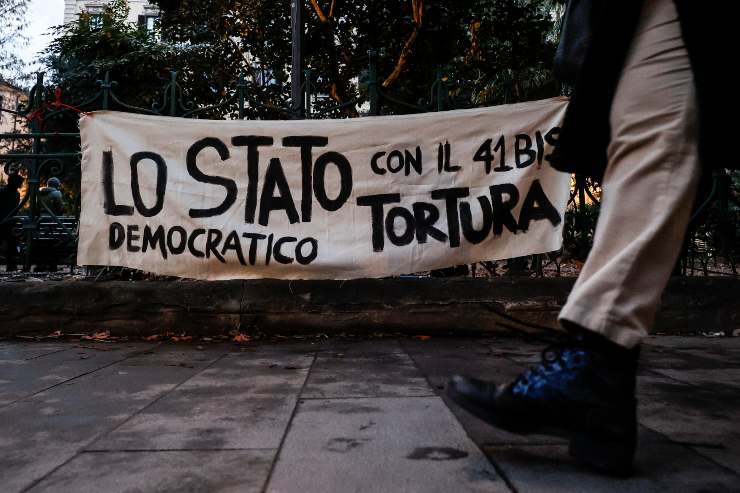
(556, 368)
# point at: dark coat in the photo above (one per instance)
(9, 199)
(53, 199)
(710, 30)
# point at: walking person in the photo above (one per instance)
(644, 118)
(9, 200)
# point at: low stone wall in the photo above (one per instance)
(423, 306)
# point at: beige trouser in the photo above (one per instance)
(648, 187)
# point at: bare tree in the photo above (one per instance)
(13, 22)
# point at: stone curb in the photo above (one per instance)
(422, 306)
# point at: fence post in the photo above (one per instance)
(296, 61)
(508, 86)
(106, 86)
(724, 226)
(33, 173)
(372, 82)
(440, 90)
(240, 85)
(173, 92)
(307, 80)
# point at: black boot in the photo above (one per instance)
(584, 390)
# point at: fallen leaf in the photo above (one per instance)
(98, 336)
(241, 338)
(422, 338)
(182, 338)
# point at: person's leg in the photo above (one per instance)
(648, 188)
(585, 387)
(12, 252)
(9, 246)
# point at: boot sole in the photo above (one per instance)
(485, 414)
(610, 456)
(596, 446)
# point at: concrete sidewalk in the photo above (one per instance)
(336, 416)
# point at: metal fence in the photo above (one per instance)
(46, 237)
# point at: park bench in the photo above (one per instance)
(52, 242)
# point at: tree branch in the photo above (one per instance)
(417, 7)
(319, 12)
(14, 8)
(335, 92)
(246, 60)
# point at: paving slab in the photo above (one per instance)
(694, 397)
(439, 361)
(243, 401)
(365, 372)
(26, 370)
(41, 432)
(727, 377)
(651, 382)
(720, 356)
(359, 346)
(660, 467)
(678, 359)
(524, 349)
(14, 351)
(691, 342)
(440, 358)
(705, 418)
(405, 444)
(224, 471)
(368, 415)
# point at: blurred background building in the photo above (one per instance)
(141, 11)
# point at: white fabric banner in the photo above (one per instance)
(320, 199)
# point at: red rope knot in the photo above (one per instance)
(58, 104)
(38, 114)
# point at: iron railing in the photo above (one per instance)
(35, 159)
